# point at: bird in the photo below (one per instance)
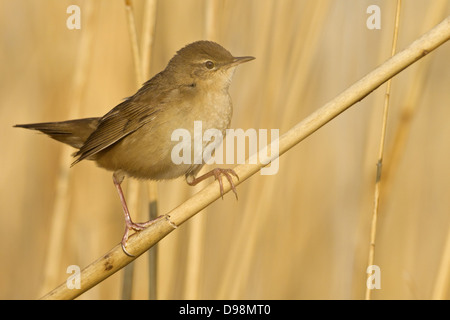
(134, 138)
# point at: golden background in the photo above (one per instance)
(300, 234)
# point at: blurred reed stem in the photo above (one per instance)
(373, 227)
(134, 43)
(59, 218)
(409, 107)
(148, 33)
(141, 59)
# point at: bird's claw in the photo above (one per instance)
(227, 173)
(130, 225)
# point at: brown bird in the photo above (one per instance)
(134, 138)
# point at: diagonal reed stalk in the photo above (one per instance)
(140, 242)
(376, 200)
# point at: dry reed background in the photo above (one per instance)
(307, 52)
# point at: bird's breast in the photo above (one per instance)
(213, 109)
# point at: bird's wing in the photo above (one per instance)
(121, 121)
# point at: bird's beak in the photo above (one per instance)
(239, 60)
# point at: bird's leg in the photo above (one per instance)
(129, 224)
(217, 172)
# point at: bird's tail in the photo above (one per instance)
(72, 132)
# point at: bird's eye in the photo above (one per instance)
(209, 64)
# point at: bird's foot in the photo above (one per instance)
(130, 225)
(217, 173)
